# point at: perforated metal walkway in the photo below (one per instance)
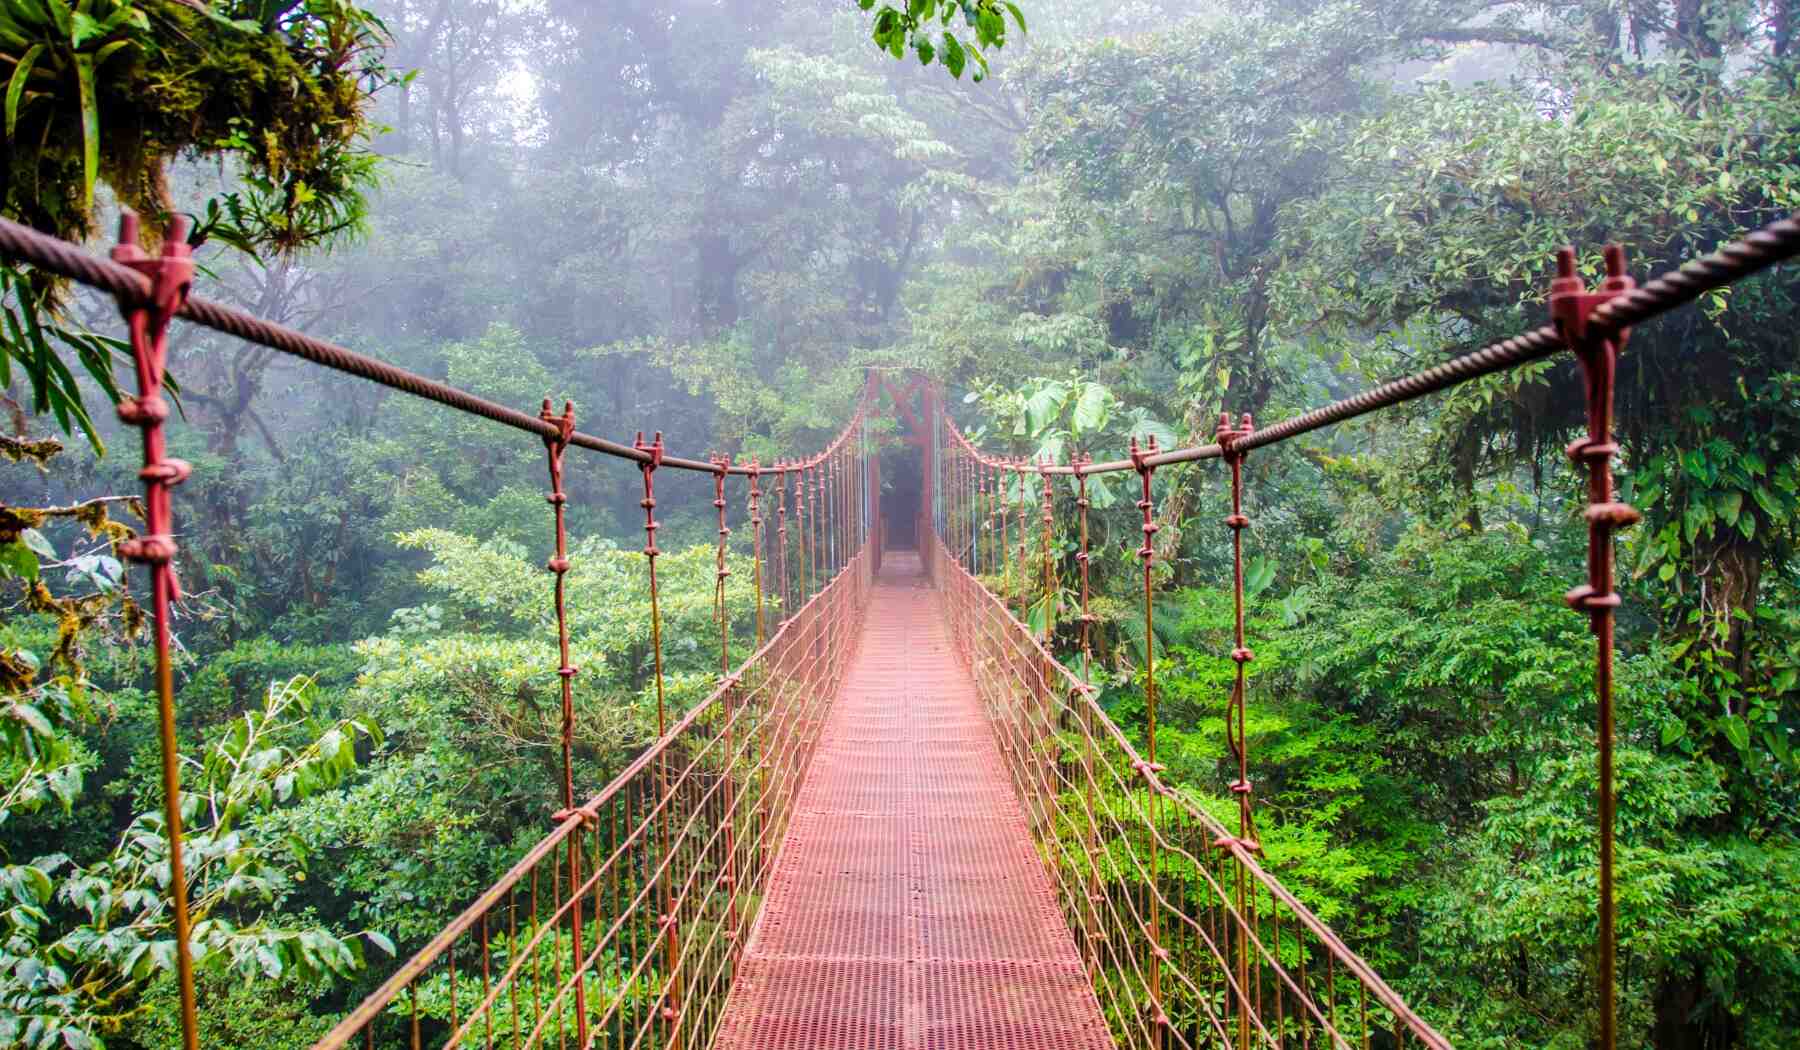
(908, 907)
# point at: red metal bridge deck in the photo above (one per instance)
(909, 906)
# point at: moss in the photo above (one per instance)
(188, 84)
(14, 520)
(40, 451)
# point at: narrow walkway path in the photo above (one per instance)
(908, 907)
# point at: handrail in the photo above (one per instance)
(1749, 254)
(823, 607)
(53, 255)
(1217, 836)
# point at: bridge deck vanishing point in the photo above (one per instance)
(909, 907)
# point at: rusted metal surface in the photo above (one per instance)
(170, 275)
(1145, 878)
(1574, 307)
(559, 567)
(1754, 252)
(908, 907)
(625, 925)
(680, 844)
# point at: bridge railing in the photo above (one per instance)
(1188, 941)
(622, 925)
(672, 857)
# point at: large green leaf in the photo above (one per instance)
(1736, 732)
(1258, 575)
(90, 127)
(1092, 408)
(15, 89)
(1044, 405)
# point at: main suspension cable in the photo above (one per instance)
(24, 244)
(1757, 251)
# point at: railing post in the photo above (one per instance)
(1002, 491)
(756, 545)
(1571, 304)
(1147, 553)
(1092, 917)
(722, 612)
(171, 275)
(803, 570)
(1046, 501)
(554, 447)
(978, 521)
(781, 539)
(1024, 559)
(991, 513)
(668, 924)
(1235, 737)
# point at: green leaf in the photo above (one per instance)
(379, 940)
(1673, 731)
(1042, 407)
(1736, 732)
(16, 559)
(35, 540)
(84, 27)
(1091, 409)
(1018, 15)
(34, 718)
(90, 127)
(1730, 505)
(63, 16)
(109, 50)
(32, 11)
(990, 28)
(954, 56)
(1258, 575)
(15, 89)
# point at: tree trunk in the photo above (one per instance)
(1688, 1018)
(1730, 570)
(715, 286)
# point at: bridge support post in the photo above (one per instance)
(1159, 1019)
(1235, 737)
(1091, 914)
(668, 925)
(722, 613)
(171, 275)
(1571, 304)
(554, 447)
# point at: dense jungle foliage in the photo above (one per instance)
(709, 217)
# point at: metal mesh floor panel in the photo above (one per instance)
(909, 907)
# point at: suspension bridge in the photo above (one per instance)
(899, 819)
